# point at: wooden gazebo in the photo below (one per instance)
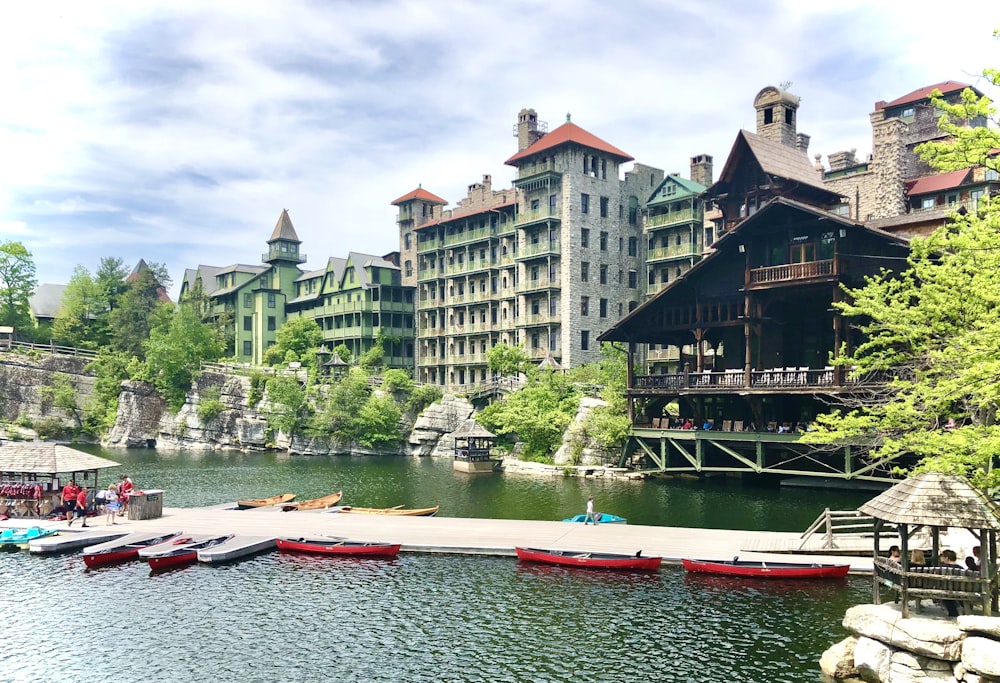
(935, 501)
(473, 443)
(29, 473)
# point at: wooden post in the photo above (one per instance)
(904, 538)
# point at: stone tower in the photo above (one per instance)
(528, 129)
(701, 169)
(776, 112)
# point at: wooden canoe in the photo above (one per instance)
(315, 503)
(399, 510)
(264, 502)
(337, 546)
(588, 560)
(767, 570)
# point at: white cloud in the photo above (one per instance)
(177, 132)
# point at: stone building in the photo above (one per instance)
(548, 264)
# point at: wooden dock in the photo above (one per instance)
(471, 536)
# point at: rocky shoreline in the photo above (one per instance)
(886, 648)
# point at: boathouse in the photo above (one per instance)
(473, 443)
(30, 472)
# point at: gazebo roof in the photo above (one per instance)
(470, 429)
(336, 360)
(937, 500)
(549, 363)
(41, 457)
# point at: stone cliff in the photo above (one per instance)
(26, 381)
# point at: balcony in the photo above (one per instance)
(791, 272)
(467, 236)
(538, 285)
(655, 288)
(537, 319)
(674, 218)
(685, 250)
(278, 254)
(533, 216)
(542, 248)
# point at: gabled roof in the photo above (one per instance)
(688, 187)
(938, 182)
(46, 301)
(284, 230)
(935, 499)
(923, 94)
(568, 133)
(775, 159)
(419, 193)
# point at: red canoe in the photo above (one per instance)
(184, 554)
(124, 553)
(337, 546)
(767, 570)
(590, 560)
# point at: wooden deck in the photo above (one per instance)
(473, 536)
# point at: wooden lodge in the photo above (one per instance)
(757, 321)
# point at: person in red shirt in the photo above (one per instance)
(81, 506)
(124, 490)
(69, 494)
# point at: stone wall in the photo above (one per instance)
(884, 647)
(22, 377)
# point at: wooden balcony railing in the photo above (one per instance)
(792, 271)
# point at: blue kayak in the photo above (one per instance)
(14, 537)
(600, 518)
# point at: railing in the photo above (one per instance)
(674, 251)
(839, 523)
(792, 271)
(777, 378)
(536, 215)
(469, 236)
(683, 216)
(539, 249)
(55, 348)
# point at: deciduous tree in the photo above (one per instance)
(17, 284)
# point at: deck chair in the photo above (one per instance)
(727, 425)
(738, 426)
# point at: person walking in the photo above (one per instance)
(110, 505)
(81, 506)
(589, 517)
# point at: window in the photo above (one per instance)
(604, 207)
(604, 240)
(768, 116)
(585, 237)
(633, 279)
(248, 323)
(633, 246)
(907, 113)
(271, 300)
(247, 348)
(604, 274)
(789, 115)
(621, 276)
(407, 238)
(248, 300)
(272, 323)
(534, 307)
(604, 308)
(927, 203)
(584, 340)
(552, 204)
(992, 174)
(585, 305)
(408, 268)
(584, 203)
(584, 271)
(534, 205)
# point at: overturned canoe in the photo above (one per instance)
(184, 553)
(264, 502)
(124, 549)
(314, 504)
(398, 511)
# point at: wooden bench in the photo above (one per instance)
(936, 583)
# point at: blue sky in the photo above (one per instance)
(178, 131)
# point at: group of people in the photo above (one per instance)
(711, 425)
(112, 501)
(947, 558)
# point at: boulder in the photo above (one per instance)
(937, 638)
(838, 661)
(431, 433)
(872, 659)
(974, 623)
(981, 655)
(140, 410)
(906, 667)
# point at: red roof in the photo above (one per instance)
(419, 193)
(565, 134)
(937, 183)
(923, 93)
(455, 216)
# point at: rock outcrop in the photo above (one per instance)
(576, 448)
(888, 647)
(23, 379)
(432, 431)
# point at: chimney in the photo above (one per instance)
(527, 129)
(802, 142)
(841, 160)
(701, 169)
(487, 183)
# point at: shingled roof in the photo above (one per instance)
(284, 230)
(569, 133)
(45, 457)
(470, 429)
(935, 499)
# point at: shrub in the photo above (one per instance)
(257, 383)
(51, 428)
(209, 407)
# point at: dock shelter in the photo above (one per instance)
(935, 501)
(33, 472)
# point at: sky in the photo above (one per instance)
(177, 131)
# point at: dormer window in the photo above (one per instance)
(907, 113)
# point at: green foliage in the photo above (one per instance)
(343, 405)
(51, 428)
(209, 405)
(374, 357)
(537, 415)
(342, 351)
(607, 427)
(82, 316)
(296, 340)
(609, 374)
(504, 359)
(17, 284)
(140, 310)
(24, 420)
(289, 407)
(378, 422)
(174, 352)
(395, 380)
(62, 394)
(962, 146)
(258, 381)
(421, 397)
(110, 369)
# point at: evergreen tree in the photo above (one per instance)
(138, 311)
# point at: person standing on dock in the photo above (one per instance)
(81, 507)
(110, 505)
(124, 491)
(589, 517)
(69, 493)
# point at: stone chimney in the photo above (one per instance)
(701, 169)
(802, 142)
(776, 112)
(842, 160)
(527, 130)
